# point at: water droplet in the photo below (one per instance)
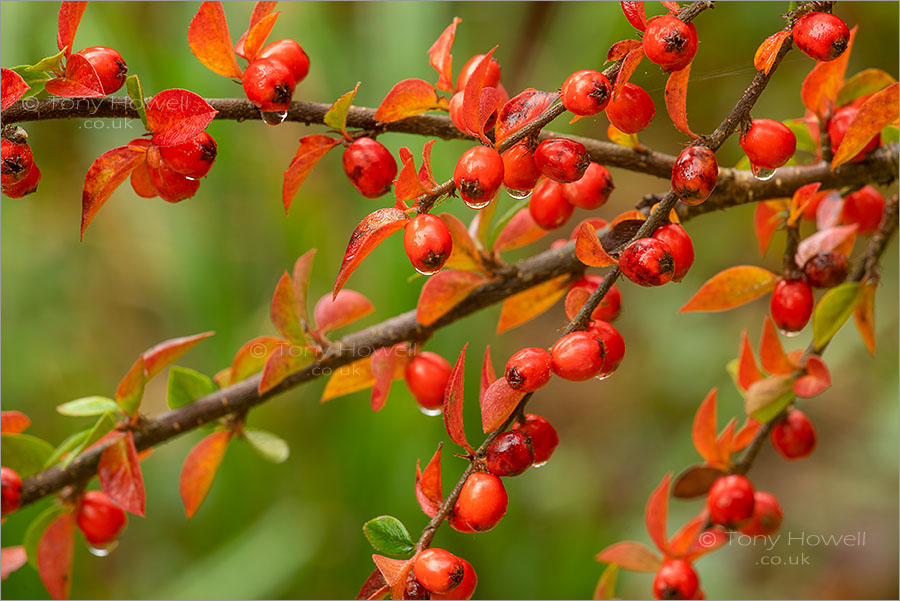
(426, 272)
(762, 173)
(275, 117)
(604, 376)
(103, 551)
(431, 412)
(478, 205)
(541, 464)
(788, 334)
(519, 194)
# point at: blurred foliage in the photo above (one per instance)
(75, 315)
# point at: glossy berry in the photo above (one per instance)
(269, 84)
(438, 570)
(456, 112)
(370, 167)
(108, 64)
(578, 356)
(826, 269)
(414, 589)
(172, 186)
(680, 246)
(548, 207)
(491, 76)
(427, 375)
(482, 502)
(427, 242)
(465, 590)
(562, 160)
(25, 186)
(11, 490)
(647, 262)
(768, 143)
(670, 42)
(837, 129)
(478, 175)
(544, 438)
(290, 54)
(791, 305)
(821, 36)
(519, 171)
(510, 454)
(675, 579)
(613, 345)
(592, 190)
(794, 437)
(193, 158)
(694, 174)
(586, 92)
(528, 369)
(730, 500)
(865, 208)
(99, 518)
(632, 110)
(610, 306)
(767, 515)
(17, 160)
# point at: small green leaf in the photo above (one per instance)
(863, 83)
(388, 535)
(104, 425)
(801, 132)
(187, 385)
(890, 134)
(833, 309)
(24, 453)
(766, 398)
(732, 369)
(35, 79)
(136, 93)
(506, 218)
(336, 117)
(50, 64)
(269, 446)
(66, 446)
(36, 530)
(89, 405)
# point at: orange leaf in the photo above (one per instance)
(631, 215)
(825, 240)
(80, 81)
(731, 288)
(407, 98)
(176, 116)
(312, 149)
(621, 48)
(864, 315)
(210, 40)
(656, 514)
(283, 311)
(426, 177)
(617, 136)
(408, 186)
(260, 10)
(575, 300)
(120, 475)
(465, 255)
(676, 99)
(635, 13)
(771, 353)
(520, 231)
(300, 280)
(11, 559)
(472, 96)
(768, 51)
(395, 572)
(453, 403)
(589, 250)
(747, 372)
(709, 540)
(876, 113)
(388, 364)
(488, 375)
(745, 435)
(105, 175)
(682, 540)
(13, 422)
(765, 222)
(821, 86)
(630, 555)
(164, 353)
(443, 291)
(371, 232)
(252, 357)
(801, 198)
(528, 304)
(54, 555)
(284, 360)
(498, 403)
(200, 469)
(521, 110)
(348, 306)
(704, 430)
(256, 36)
(724, 442)
(349, 378)
(815, 381)
(440, 58)
(131, 389)
(429, 489)
(629, 64)
(69, 18)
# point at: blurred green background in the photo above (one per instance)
(76, 314)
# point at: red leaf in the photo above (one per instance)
(491, 100)
(105, 175)
(440, 58)
(465, 255)
(80, 81)
(11, 559)
(745, 435)
(621, 48)
(69, 18)
(54, 555)
(635, 13)
(488, 375)
(864, 315)
(685, 538)
(252, 357)
(261, 10)
(676, 99)
(176, 116)
(131, 389)
(200, 469)
(426, 177)
(768, 51)
(630, 555)
(704, 430)
(164, 353)
(724, 442)
(520, 231)
(521, 110)
(332, 313)
(300, 280)
(210, 40)
(821, 86)
(256, 36)
(443, 291)
(498, 403)
(284, 360)
(407, 98)
(408, 185)
(589, 250)
(429, 489)
(374, 587)
(731, 288)
(120, 475)
(283, 311)
(371, 232)
(13, 87)
(771, 354)
(822, 241)
(453, 403)
(575, 299)
(747, 371)
(876, 113)
(395, 572)
(13, 422)
(388, 364)
(765, 221)
(815, 381)
(141, 182)
(312, 149)
(528, 304)
(656, 514)
(671, 5)
(629, 64)
(801, 198)
(472, 96)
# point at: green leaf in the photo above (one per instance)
(187, 385)
(24, 453)
(336, 117)
(36, 530)
(66, 446)
(136, 93)
(766, 398)
(388, 535)
(89, 405)
(801, 132)
(35, 79)
(833, 309)
(732, 369)
(506, 218)
(50, 64)
(863, 83)
(269, 446)
(890, 134)
(104, 425)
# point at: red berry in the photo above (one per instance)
(548, 206)
(578, 356)
(767, 515)
(528, 369)
(478, 175)
(794, 437)
(865, 208)
(680, 246)
(519, 171)
(438, 570)
(466, 589)
(632, 110)
(837, 129)
(562, 160)
(141, 182)
(193, 158)
(510, 454)
(482, 502)
(172, 186)
(269, 84)
(455, 108)
(821, 36)
(730, 500)
(108, 64)
(11, 489)
(791, 305)
(544, 438)
(491, 76)
(592, 190)
(99, 518)
(613, 345)
(586, 92)
(427, 375)
(290, 54)
(427, 242)
(25, 186)
(670, 42)
(370, 167)
(17, 160)
(675, 579)
(647, 262)
(768, 143)
(610, 306)
(694, 174)
(826, 269)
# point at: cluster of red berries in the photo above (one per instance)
(664, 257)
(269, 80)
(734, 503)
(11, 490)
(554, 201)
(439, 574)
(18, 173)
(99, 518)
(173, 172)
(821, 36)
(588, 92)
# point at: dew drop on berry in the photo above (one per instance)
(274, 117)
(761, 173)
(477, 205)
(427, 272)
(541, 464)
(519, 194)
(431, 412)
(788, 334)
(103, 550)
(604, 376)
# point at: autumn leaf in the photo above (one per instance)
(408, 185)
(255, 38)
(629, 64)
(261, 10)
(67, 24)
(80, 80)
(731, 288)
(284, 360)
(13, 422)
(768, 51)
(767, 398)
(13, 87)
(407, 98)
(453, 403)
(703, 432)
(283, 311)
(443, 291)
(395, 572)
(105, 175)
(822, 84)
(832, 310)
(815, 380)
(862, 84)
(498, 403)
(312, 149)
(528, 304)
(823, 241)
(630, 555)
(635, 13)
(472, 97)
(131, 389)
(164, 353)
(336, 116)
(864, 315)
(349, 378)
(606, 584)
(200, 469)
(766, 218)
(465, 255)
(337, 312)
(522, 109)
(440, 58)
(655, 515)
(617, 136)
(388, 364)
(252, 357)
(621, 48)
(676, 100)
(488, 375)
(429, 489)
(695, 481)
(120, 474)
(210, 40)
(748, 372)
(520, 231)
(176, 116)
(589, 250)
(771, 353)
(300, 279)
(876, 113)
(54, 555)
(371, 232)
